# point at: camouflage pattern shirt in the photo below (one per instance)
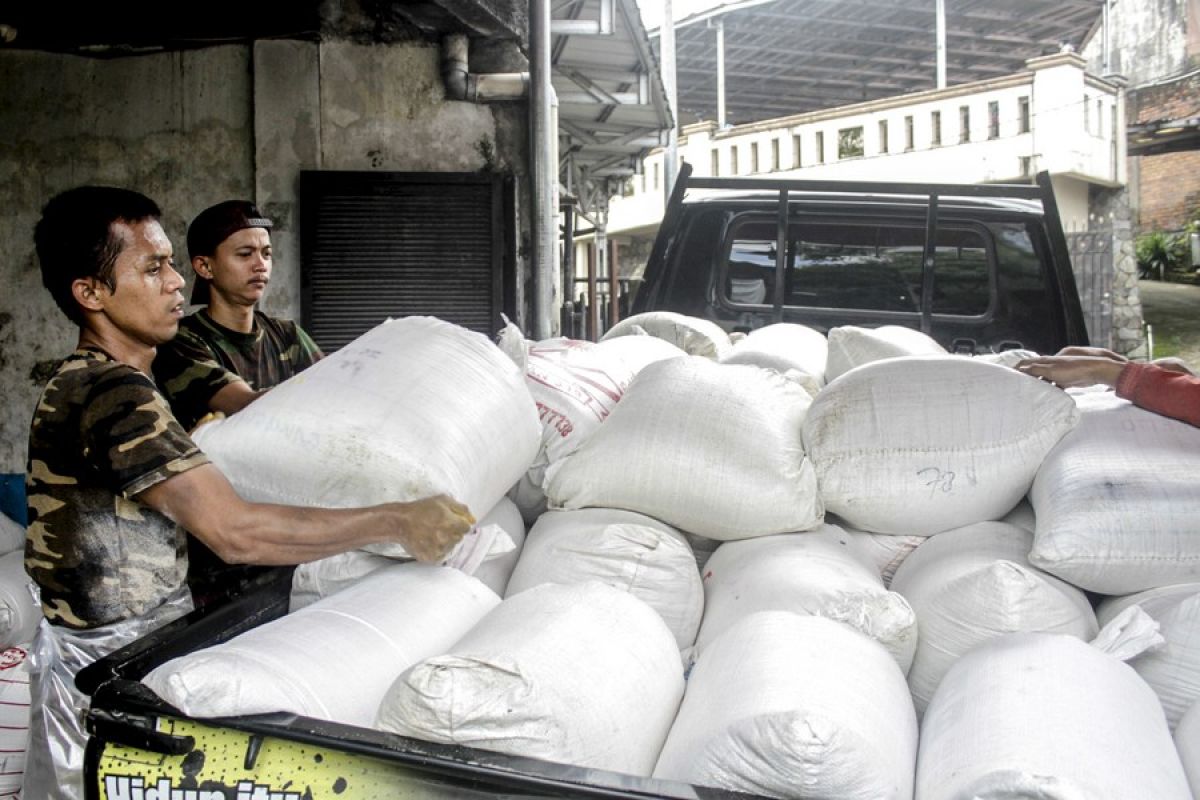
(101, 434)
(204, 357)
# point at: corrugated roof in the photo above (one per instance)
(791, 56)
(612, 106)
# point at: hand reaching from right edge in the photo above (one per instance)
(430, 528)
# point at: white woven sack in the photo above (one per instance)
(920, 445)
(818, 573)
(1172, 670)
(712, 449)
(973, 584)
(629, 551)
(637, 352)
(1117, 502)
(694, 335)
(14, 718)
(314, 580)
(383, 624)
(12, 534)
(413, 407)
(784, 347)
(1187, 742)
(20, 606)
(1006, 358)
(575, 386)
(850, 346)
(885, 551)
(785, 705)
(494, 572)
(580, 674)
(1049, 716)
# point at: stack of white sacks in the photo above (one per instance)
(784, 565)
(20, 612)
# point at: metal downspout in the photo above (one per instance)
(545, 170)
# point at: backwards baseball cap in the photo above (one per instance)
(214, 225)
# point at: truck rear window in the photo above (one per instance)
(873, 266)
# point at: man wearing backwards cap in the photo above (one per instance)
(230, 248)
(226, 354)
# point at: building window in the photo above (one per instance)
(1026, 165)
(774, 155)
(994, 120)
(820, 147)
(1023, 114)
(716, 163)
(733, 160)
(909, 137)
(883, 136)
(850, 143)
(1087, 114)
(643, 176)
(964, 124)
(935, 124)
(797, 162)
(1099, 116)
(656, 176)
(753, 158)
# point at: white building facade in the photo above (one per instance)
(1054, 117)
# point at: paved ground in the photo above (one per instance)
(1173, 312)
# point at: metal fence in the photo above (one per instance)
(1092, 263)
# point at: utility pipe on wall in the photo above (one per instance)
(671, 153)
(545, 171)
(941, 43)
(720, 74)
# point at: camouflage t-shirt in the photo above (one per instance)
(101, 434)
(204, 357)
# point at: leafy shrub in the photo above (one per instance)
(1159, 253)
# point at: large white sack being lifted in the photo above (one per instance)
(919, 445)
(1172, 670)
(816, 572)
(314, 580)
(626, 550)
(1044, 715)
(1117, 502)
(712, 449)
(580, 674)
(334, 659)
(792, 706)
(973, 584)
(414, 407)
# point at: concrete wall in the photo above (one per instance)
(1155, 44)
(191, 129)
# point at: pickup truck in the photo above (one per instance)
(981, 268)
(978, 268)
(141, 748)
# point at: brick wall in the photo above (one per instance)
(1168, 184)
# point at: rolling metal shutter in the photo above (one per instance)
(377, 245)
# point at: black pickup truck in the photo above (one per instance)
(981, 268)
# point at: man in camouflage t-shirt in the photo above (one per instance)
(113, 480)
(199, 370)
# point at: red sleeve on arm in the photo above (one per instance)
(1163, 391)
